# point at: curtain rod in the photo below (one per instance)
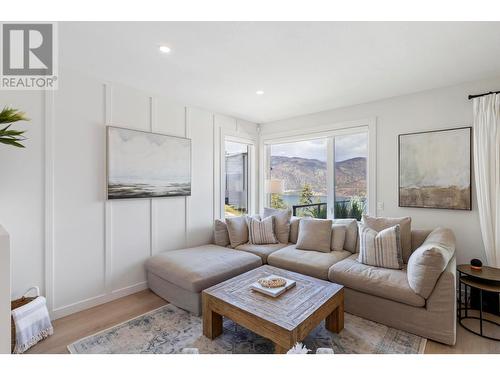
(486, 93)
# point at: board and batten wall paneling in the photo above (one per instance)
(169, 213)
(200, 204)
(78, 151)
(83, 250)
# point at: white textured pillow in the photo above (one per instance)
(238, 230)
(221, 235)
(261, 232)
(315, 234)
(380, 249)
(338, 236)
(281, 223)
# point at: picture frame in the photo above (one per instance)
(435, 169)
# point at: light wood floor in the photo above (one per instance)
(84, 323)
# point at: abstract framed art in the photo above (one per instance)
(435, 169)
(147, 165)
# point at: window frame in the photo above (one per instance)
(251, 144)
(321, 132)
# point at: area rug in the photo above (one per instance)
(170, 329)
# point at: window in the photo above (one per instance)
(302, 169)
(236, 179)
(351, 155)
(322, 177)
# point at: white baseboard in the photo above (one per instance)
(97, 300)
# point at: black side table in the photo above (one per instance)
(487, 280)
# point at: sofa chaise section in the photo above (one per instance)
(180, 276)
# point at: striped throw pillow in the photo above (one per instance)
(261, 232)
(380, 249)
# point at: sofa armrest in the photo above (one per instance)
(428, 262)
(443, 301)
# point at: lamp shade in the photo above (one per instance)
(275, 186)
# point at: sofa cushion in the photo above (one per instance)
(281, 223)
(338, 236)
(381, 223)
(315, 234)
(294, 229)
(351, 235)
(380, 249)
(312, 263)
(238, 230)
(382, 282)
(221, 235)
(261, 250)
(198, 268)
(261, 232)
(430, 260)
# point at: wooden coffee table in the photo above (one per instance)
(285, 320)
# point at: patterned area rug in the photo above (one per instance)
(170, 329)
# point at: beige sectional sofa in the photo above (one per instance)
(419, 299)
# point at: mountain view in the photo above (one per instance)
(350, 175)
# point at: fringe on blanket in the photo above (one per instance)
(43, 334)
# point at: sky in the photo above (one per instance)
(346, 147)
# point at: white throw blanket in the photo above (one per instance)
(32, 323)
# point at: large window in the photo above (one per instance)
(302, 169)
(236, 179)
(351, 155)
(322, 177)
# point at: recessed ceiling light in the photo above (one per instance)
(165, 49)
(259, 92)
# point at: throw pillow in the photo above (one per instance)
(381, 223)
(351, 235)
(221, 235)
(428, 262)
(338, 236)
(380, 249)
(281, 222)
(294, 229)
(261, 232)
(238, 230)
(315, 234)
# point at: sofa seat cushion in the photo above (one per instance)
(311, 263)
(201, 267)
(382, 282)
(261, 250)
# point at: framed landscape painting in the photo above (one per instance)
(147, 165)
(435, 169)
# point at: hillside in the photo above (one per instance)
(350, 175)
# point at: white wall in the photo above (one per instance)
(66, 238)
(4, 292)
(436, 109)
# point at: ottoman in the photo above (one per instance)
(179, 276)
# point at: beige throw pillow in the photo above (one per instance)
(351, 235)
(338, 236)
(428, 262)
(261, 232)
(294, 229)
(315, 234)
(281, 223)
(380, 223)
(380, 249)
(221, 235)
(238, 230)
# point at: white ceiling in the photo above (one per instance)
(303, 67)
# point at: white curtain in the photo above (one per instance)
(487, 170)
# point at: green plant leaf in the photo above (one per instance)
(11, 142)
